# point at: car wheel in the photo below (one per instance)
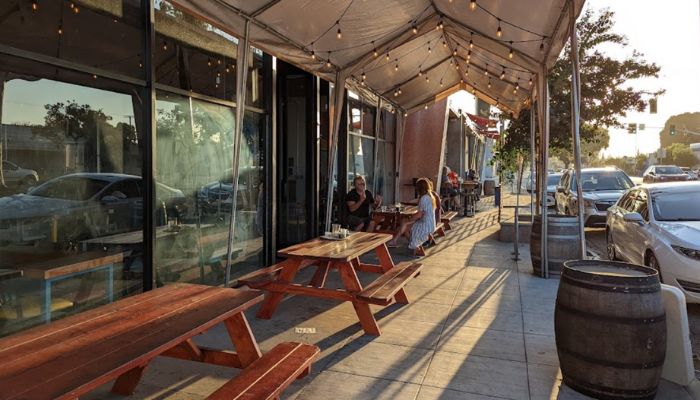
(652, 262)
(610, 247)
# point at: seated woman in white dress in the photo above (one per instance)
(421, 224)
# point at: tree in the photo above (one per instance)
(681, 155)
(689, 121)
(606, 96)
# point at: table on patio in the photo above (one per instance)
(75, 355)
(388, 220)
(343, 255)
(51, 268)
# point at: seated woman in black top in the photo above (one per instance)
(359, 201)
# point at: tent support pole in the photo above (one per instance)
(576, 133)
(338, 99)
(242, 75)
(532, 163)
(544, 128)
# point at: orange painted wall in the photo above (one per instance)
(422, 147)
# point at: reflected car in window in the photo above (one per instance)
(692, 174)
(658, 225)
(68, 209)
(664, 173)
(17, 178)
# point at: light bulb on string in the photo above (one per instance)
(517, 86)
(530, 82)
(328, 62)
(165, 45)
(427, 80)
(374, 49)
(471, 41)
(396, 67)
(469, 55)
(415, 29)
(489, 85)
(473, 90)
(364, 76)
(387, 56)
(457, 66)
(441, 84)
(228, 70)
(542, 46)
(420, 70)
(313, 55)
(400, 92)
(74, 8)
(60, 29)
(472, 5)
(503, 74)
(426, 106)
(396, 93)
(339, 34)
(510, 52)
(35, 5)
(444, 43)
(209, 62)
(499, 31)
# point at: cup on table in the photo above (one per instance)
(335, 228)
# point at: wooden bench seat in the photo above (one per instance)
(383, 290)
(269, 375)
(439, 232)
(446, 218)
(261, 277)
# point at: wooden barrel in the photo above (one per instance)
(563, 242)
(489, 187)
(610, 328)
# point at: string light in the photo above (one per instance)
(444, 43)
(374, 49)
(60, 29)
(542, 46)
(218, 61)
(165, 45)
(499, 31)
(35, 5)
(466, 71)
(498, 102)
(396, 93)
(420, 70)
(530, 82)
(364, 76)
(415, 29)
(339, 34)
(426, 106)
(441, 83)
(469, 55)
(471, 41)
(454, 52)
(313, 55)
(427, 80)
(227, 69)
(473, 90)
(429, 50)
(503, 74)
(396, 67)
(387, 56)
(510, 53)
(489, 85)
(209, 62)
(472, 5)
(517, 86)
(400, 91)
(328, 62)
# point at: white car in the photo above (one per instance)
(658, 225)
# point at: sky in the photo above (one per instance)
(668, 34)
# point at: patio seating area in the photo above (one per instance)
(479, 326)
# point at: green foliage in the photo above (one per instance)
(689, 121)
(606, 96)
(680, 154)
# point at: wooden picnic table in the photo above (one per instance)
(343, 255)
(71, 357)
(389, 221)
(51, 268)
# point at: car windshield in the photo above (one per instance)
(70, 188)
(605, 180)
(553, 180)
(673, 170)
(676, 206)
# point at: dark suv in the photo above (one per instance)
(664, 173)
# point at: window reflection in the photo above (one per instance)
(70, 184)
(361, 159)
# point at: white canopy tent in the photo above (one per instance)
(410, 53)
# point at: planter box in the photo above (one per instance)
(507, 232)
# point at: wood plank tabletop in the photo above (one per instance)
(406, 211)
(357, 244)
(71, 356)
(136, 237)
(53, 265)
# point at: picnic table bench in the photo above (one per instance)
(73, 356)
(343, 256)
(447, 218)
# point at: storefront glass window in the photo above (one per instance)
(71, 202)
(106, 34)
(360, 159)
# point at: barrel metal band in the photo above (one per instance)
(610, 363)
(616, 288)
(606, 392)
(611, 318)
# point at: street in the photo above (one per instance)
(595, 238)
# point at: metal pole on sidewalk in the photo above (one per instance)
(544, 124)
(575, 132)
(242, 75)
(518, 178)
(532, 163)
(338, 98)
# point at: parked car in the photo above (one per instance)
(18, 178)
(658, 225)
(70, 208)
(552, 182)
(692, 174)
(601, 187)
(664, 173)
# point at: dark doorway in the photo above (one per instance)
(297, 155)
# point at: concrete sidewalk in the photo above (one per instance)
(479, 327)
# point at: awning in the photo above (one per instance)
(410, 52)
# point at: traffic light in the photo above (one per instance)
(652, 106)
(672, 130)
